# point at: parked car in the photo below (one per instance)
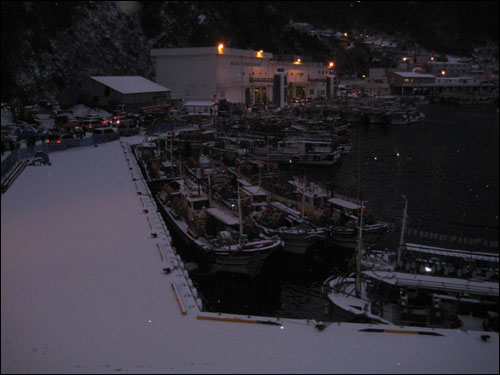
(108, 133)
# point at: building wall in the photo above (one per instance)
(192, 78)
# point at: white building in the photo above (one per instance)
(239, 76)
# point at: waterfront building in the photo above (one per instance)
(238, 76)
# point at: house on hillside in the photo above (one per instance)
(133, 91)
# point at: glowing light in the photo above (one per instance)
(299, 61)
(427, 269)
(259, 54)
(331, 64)
(443, 72)
(432, 58)
(220, 47)
(364, 76)
(404, 59)
(345, 34)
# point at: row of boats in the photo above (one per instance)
(234, 225)
(234, 209)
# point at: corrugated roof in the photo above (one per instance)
(130, 84)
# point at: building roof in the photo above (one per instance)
(130, 84)
(414, 75)
(199, 51)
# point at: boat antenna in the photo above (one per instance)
(403, 228)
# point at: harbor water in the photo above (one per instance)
(446, 167)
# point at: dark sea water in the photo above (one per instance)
(446, 166)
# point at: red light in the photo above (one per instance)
(90, 126)
(47, 141)
(58, 141)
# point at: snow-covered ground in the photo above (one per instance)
(83, 291)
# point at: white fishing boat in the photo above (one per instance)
(401, 298)
(433, 260)
(345, 232)
(215, 233)
(385, 296)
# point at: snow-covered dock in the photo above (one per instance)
(84, 290)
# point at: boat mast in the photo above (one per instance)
(403, 228)
(358, 250)
(360, 222)
(303, 198)
(239, 208)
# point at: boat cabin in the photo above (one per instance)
(257, 196)
(346, 208)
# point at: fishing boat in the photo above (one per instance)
(298, 234)
(213, 231)
(299, 150)
(433, 260)
(345, 232)
(381, 296)
(154, 161)
(406, 117)
(401, 298)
